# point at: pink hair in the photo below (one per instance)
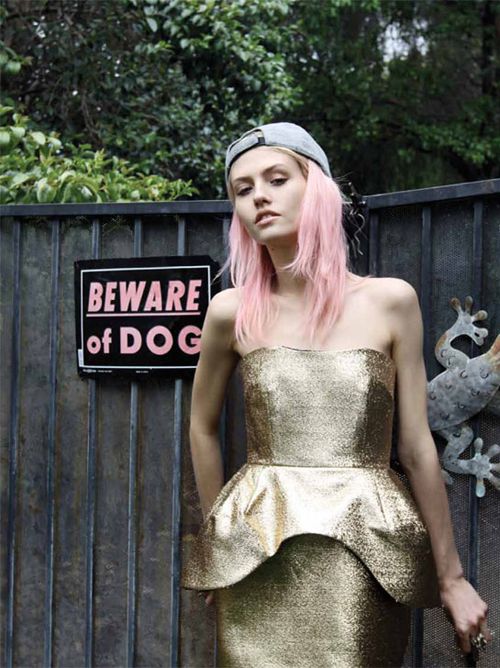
(322, 259)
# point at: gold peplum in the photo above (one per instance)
(319, 425)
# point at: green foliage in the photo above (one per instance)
(231, 75)
(400, 94)
(33, 168)
(166, 85)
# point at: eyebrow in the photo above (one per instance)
(269, 169)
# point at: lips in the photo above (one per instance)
(263, 215)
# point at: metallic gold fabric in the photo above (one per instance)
(318, 439)
(312, 604)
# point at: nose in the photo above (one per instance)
(260, 193)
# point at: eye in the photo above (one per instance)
(242, 192)
(279, 181)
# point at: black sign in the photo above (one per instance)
(138, 316)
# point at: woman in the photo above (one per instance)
(314, 552)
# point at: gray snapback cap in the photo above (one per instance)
(288, 135)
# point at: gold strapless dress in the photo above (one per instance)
(315, 548)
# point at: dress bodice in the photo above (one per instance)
(319, 426)
(318, 407)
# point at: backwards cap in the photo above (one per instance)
(288, 135)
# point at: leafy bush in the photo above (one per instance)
(35, 168)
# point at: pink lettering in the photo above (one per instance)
(176, 290)
(154, 297)
(194, 345)
(130, 295)
(193, 295)
(125, 347)
(95, 297)
(150, 340)
(110, 296)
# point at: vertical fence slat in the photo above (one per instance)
(13, 443)
(425, 303)
(175, 560)
(54, 335)
(91, 487)
(132, 519)
(477, 294)
(132, 526)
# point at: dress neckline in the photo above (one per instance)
(310, 350)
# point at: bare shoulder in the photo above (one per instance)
(224, 304)
(394, 293)
(392, 303)
(224, 300)
(221, 314)
(402, 309)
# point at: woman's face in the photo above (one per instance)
(265, 180)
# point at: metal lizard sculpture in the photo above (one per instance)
(462, 390)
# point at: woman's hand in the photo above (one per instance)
(466, 610)
(209, 596)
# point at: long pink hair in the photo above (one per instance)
(322, 259)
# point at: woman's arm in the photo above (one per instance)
(418, 456)
(215, 365)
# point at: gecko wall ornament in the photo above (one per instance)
(465, 387)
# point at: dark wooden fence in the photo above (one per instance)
(98, 497)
